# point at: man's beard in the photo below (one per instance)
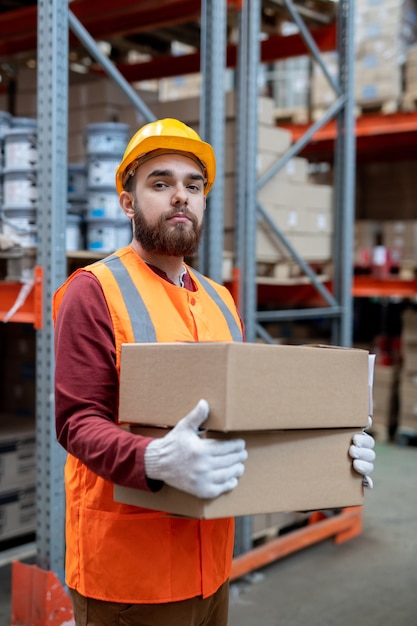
(164, 237)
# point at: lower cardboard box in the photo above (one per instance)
(293, 470)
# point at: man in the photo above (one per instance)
(126, 565)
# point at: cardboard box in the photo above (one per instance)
(401, 236)
(409, 334)
(269, 525)
(268, 248)
(285, 471)
(313, 246)
(17, 512)
(17, 453)
(408, 393)
(248, 386)
(384, 380)
(301, 219)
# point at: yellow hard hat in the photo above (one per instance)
(170, 135)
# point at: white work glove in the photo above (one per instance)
(363, 455)
(202, 467)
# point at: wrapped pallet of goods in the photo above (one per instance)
(384, 31)
(410, 79)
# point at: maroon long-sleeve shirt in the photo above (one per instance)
(87, 387)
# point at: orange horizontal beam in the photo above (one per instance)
(378, 136)
(366, 125)
(370, 286)
(9, 292)
(305, 295)
(30, 310)
(346, 525)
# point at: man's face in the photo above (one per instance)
(169, 204)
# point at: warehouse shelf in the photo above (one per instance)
(19, 38)
(342, 526)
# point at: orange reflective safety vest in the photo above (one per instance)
(122, 553)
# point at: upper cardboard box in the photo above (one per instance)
(248, 386)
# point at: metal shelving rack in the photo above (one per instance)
(54, 19)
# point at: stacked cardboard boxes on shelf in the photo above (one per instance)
(408, 383)
(17, 430)
(400, 237)
(410, 78)
(384, 29)
(386, 246)
(301, 209)
(17, 478)
(385, 386)
(387, 190)
(322, 94)
(290, 85)
(386, 215)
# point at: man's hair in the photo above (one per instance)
(130, 184)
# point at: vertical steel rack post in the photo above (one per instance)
(52, 104)
(212, 128)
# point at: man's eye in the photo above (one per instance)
(160, 185)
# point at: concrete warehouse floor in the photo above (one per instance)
(368, 581)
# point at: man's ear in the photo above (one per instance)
(126, 202)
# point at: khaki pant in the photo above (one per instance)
(212, 611)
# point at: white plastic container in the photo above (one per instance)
(20, 189)
(20, 149)
(107, 138)
(5, 123)
(19, 225)
(104, 204)
(77, 206)
(77, 181)
(74, 232)
(101, 170)
(24, 122)
(108, 235)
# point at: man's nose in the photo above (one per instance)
(180, 195)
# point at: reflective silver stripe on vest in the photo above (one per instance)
(234, 328)
(143, 328)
